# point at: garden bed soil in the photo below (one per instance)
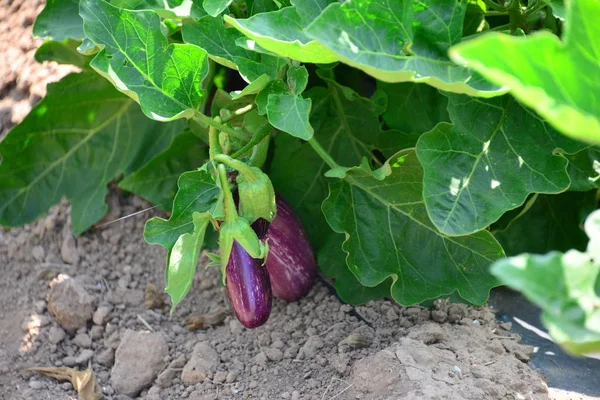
(92, 301)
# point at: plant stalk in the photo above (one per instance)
(228, 203)
(223, 128)
(253, 142)
(322, 153)
(214, 147)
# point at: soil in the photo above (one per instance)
(92, 301)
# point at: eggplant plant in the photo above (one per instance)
(416, 142)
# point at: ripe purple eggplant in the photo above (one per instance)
(291, 260)
(248, 287)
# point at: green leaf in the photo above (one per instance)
(256, 86)
(183, 258)
(167, 85)
(59, 20)
(481, 167)
(308, 10)
(584, 170)
(413, 107)
(220, 44)
(348, 127)
(297, 79)
(474, 17)
(389, 235)
(548, 75)
(164, 8)
(282, 32)
(565, 286)
(64, 52)
(289, 113)
(197, 192)
(157, 180)
(332, 261)
(215, 7)
(400, 41)
(558, 8)
(82, 135)
(262, 99)
(553, 222)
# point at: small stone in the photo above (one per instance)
(96, 332)
(83, 340)
(202, 364)
(106, 357)
(69, 361)
(68, 249)
(84, 357)
(138, 360)
(38, 253)
(235, 327)
(220, 377)
(36, 385)
(69, 303)
(101, 313)
(274, 354)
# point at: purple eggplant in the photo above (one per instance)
(248, 287)
(291, 260)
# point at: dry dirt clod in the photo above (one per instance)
(202, 321)
(101, 313)
(69, 303)
(138, 360)
(202, 364)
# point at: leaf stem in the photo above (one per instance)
(228, 203)
(253, 142)
(494, 5)
(214, 147)
(199, 117)
(322, 153)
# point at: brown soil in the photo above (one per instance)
(317, 348)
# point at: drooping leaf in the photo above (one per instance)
(553, 222)
(348, 127)
(332, 261)
(290, 113)
(220, 43)
(403, 244)
(282, 32)
(59, 20)
(166, 79)
(64, 52)
(548, 75)
(183, 258)
(197, 192)
(565, 286)
(413, 107)
(400, 41)
(215, 7)
(157, 180)
(496, 153)
(584, 169)
(77, 139)
(164, 8)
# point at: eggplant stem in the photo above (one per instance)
(228, 203)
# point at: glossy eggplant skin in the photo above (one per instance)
(291, 260)
(248, 287)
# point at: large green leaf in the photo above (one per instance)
(495, 154)
(332, 261)
(558, 8)
(165, 8)
(552, 222)
(584, 169)
(183, 258)
(220, 44)
(166, 79)
(413, 107)
(64, 52)
(400, 41)
(157, 180)
(566, 287)
(390, 235)
(289, 113)
(215, 7)
(555, 78)
(197, 192)
(348, 127)
(59, 20)
(77, 139)
(282, 32)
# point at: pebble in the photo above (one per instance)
(139, 358)
(83, 340)
(101, 313)
(84, 357)
(69, 303)
(36, 385)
